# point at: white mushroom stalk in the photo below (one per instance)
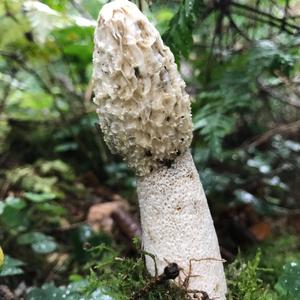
(145, 116)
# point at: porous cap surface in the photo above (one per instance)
(144, 110)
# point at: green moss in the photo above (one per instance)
(244, 279)
(121, 277)
(269, 273)
(276, 253)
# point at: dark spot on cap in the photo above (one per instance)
(148, 153)
(137, 72)
(166, 162)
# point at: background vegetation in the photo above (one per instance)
(68, 209)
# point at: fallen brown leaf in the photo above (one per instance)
(261, 230)
(100, 215)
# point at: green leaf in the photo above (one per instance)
(71, 292)
(179, 36)
(40, 243)
(14, 218)
(15, 202)
(66, 147)
(188, 7)
(47, 292)
(93, 6)
(56, 167)
(292, 145)
(77, 42)
(2, 206)
(288, 284)
(11, 267)
(44, 247)
(52, 209)
(260, 164)
(12, 202)
(31, 237)
(43, 197)
(199, 123)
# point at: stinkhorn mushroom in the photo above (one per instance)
(145, 115)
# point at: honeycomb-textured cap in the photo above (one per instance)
(143, 108)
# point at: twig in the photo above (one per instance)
(288, 83)
(9, 14)
(286, 8)
(20, 60)
(212, 46)
(140, 4)
(276, 96)
(127, 224)
(237, 29)
(281, 129)
(265, 21)
(4, 190)
(282, 21)
(6, 92)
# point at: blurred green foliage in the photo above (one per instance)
(242, 72)
(262, 276)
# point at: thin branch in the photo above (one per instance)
(276, 96)
(282, 21)
(6, 93)
(289, 84)
(286, 8)
(290, 128)
(19, 60)
(9, 14)
(237, 29)
(265, 21)
(212, 46)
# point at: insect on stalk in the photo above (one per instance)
(171, 271)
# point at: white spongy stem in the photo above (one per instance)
(178, 227)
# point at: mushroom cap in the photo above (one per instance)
(144, 110)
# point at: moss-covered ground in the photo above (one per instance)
(269, 273)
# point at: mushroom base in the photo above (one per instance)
(177, 227)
